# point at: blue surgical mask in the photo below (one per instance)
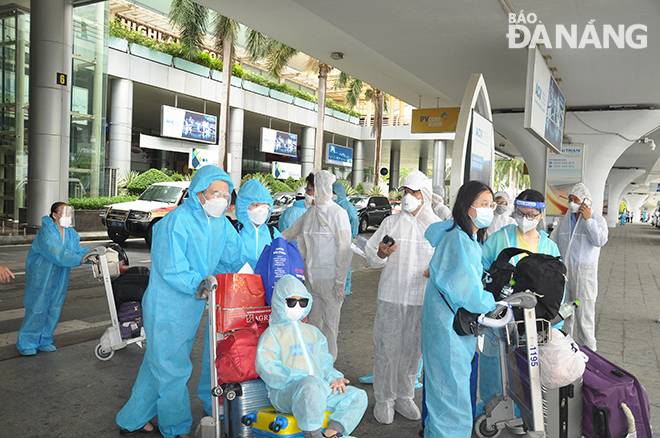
(484, 217)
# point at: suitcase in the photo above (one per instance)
(562, 411)
(241, 399)
(269, 423)
(605, 387)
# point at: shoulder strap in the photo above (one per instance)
(272, 231)
(508, 253)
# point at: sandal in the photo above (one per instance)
(142, 430)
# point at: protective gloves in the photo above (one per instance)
(93, 255)
(208, 284)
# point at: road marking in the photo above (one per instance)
(144, 261)
(7, 315)
(63, 327)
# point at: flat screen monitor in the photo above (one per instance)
(338, 155)
(277, 142)
(188, 125)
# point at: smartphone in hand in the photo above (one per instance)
(387, 240)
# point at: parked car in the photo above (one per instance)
(137, 218)
(371, 210)
(281, 201)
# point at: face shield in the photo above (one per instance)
(66, 216)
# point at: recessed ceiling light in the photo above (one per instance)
(337, 56)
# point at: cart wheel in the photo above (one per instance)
(274, 426)
(231, 394)
(482, 430)
(101, 355)
(246, 420)
(217, 391)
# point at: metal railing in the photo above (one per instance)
(388, 120)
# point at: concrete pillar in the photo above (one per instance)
(439, 159)
(121, 124)
(395, 159)
(307, 150)
(235, 144)
(51, 47)
(618, 180)
(358, 163)
(423, 165)
(22, 37)
(635, 202)
(535, 156)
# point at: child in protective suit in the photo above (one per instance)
(294, 362)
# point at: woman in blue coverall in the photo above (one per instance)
(54, 251)
(454, 282)
(529, 210)
(192, 243)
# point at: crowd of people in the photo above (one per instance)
(431, 258)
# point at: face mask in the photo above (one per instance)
(215, 207)
(410, 203)
(500, 210)
(294, 313)
(309, 200)
(573, 207)
(65, 221)
(258, 215)
(484, 217)
(526, 224)
(334, 197)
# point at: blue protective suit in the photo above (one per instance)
(187, 246)
(344, 203)
(294, 362)
(456, 273)
(254, 239)
(47, 270)
(490, 377)
(291, 214)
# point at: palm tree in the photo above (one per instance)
(510, 174)
(354, 89)
(191, 20)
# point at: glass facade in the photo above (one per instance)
(14, 71)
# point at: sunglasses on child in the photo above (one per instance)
(291, 302)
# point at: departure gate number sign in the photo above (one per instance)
(61, 79)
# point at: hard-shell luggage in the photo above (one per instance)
(269, 423)
(130, 319)
(605, 387)
(130, 285)
(241, 399)
(562, 411)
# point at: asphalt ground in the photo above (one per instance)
(70, 393)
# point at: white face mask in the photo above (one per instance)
(258, 215)
(309, 200)
(410, 203)
(65, 221)
(294, 313)
(526, 224)
(573, 207)
(215, 207)
(500, 210)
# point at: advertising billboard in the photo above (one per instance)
(188, 125)
(338, 155)
(277, 142)
(481, 149)
(285, 170)
(544, 102)
(434, 120)
(198, 158)
(564, 171)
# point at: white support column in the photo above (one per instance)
(358, 163)
(634, 202)
(618, 180)
(395, 159)
(51, 48)
(423, 165)
(121, 125)
(307, 150)
(439, 159)
(235, 144)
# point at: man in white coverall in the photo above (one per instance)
(398, 323)
(579, 236)
(439, 207)
(502, 216)
(323, 235)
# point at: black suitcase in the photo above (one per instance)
(130, 285)
(241, 399)
(562, 410)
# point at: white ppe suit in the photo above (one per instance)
(439, 208)
(323, 235)
(293, 361)
(398, 323)
(502, 216)
(579, 242)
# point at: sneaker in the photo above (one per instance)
(408, 409)
(48, 348)
(28, 352)
(384, 412)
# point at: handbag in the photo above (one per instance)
(465, 323)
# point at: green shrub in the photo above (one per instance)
(206, 60)
(350, 191)
(98, 203)
(360, 189)
(376, 190)
(394, 195)
(144, 180)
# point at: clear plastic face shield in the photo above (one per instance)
(216, 202)
(64, 216)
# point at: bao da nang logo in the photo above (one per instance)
(526, 29)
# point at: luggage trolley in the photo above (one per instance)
(519, 367)
(108, 265)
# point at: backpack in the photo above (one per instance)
(542, 274)
(278, 259)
